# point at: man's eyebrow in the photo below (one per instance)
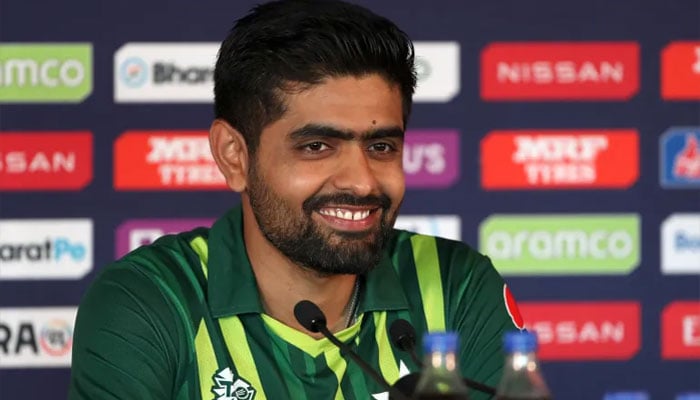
(319, 131)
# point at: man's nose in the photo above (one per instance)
(356, 173)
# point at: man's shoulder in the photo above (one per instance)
(449, 251)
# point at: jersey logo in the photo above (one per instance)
(228, 387)
(512, 307)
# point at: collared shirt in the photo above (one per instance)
(182, 319)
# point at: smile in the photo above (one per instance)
(345, 214)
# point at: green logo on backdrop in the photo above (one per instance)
(561, 244)
(45, 72)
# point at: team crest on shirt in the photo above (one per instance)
(229, 387)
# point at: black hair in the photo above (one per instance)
(282, 44)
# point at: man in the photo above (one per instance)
(312, 99)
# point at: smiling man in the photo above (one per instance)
(312, 100)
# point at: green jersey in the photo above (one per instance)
(182, 319)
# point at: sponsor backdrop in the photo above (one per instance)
(560, 138)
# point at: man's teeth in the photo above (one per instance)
(345, 214)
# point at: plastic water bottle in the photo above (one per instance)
(441, 377)
(522, 379)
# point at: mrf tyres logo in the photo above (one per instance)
(562, 244)
(45, 248)
(43, 72)
(559, 71)
(551, 159)
(36, 337)
(172, 160)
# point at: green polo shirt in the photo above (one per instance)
(182, 319)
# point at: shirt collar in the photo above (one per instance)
(231, 284)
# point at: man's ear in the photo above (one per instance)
(230, 153)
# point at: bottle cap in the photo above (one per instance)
(442, 342)
(520, 341)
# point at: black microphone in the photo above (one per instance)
(404, 338)
(311, 317)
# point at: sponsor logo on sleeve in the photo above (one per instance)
(680, 71)
(165, 160)
(680, 244)
(560, 159)
(135, 233)
(36, 337)
(562, 244)
(559, 71)
(431, 158)
(45, 160)
(584, 330)
(437, 67)
(680, 158)
(45, 248)
(45, 72)
(165, 72)
(445, 226)
(680, 331)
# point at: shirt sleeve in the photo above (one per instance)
(480, 311)
(123, 346)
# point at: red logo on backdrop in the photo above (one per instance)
(680, 71)
(680, 330)
(551, 159)
(584, 330)
(560, 71)
(46, 160)
(165, 160)
(512, 307)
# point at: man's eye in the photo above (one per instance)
(382, 147)
(315, 146)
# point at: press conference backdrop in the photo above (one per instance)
(561, 138)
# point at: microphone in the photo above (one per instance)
(311, 317)
(403, 336)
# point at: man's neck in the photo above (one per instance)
(282, 284)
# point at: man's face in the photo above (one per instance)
(326, 182)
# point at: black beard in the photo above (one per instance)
(305, 243)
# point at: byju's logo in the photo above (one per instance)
(139, 232)
(562, 244)
(680, 158)
(680, 244)
(42, 72)
(45, 249)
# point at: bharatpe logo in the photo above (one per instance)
(36, 337)
(437, 69)
(44, 72)
(228, 387)
(431, 158)
(680, 71)
(135, 233)
(561, 244)
(165, 72)
(680, 158)
(445, 226)
(680, 244)
(45, 248)
(559, 71)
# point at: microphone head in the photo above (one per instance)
(309, 316)
(402, 334)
